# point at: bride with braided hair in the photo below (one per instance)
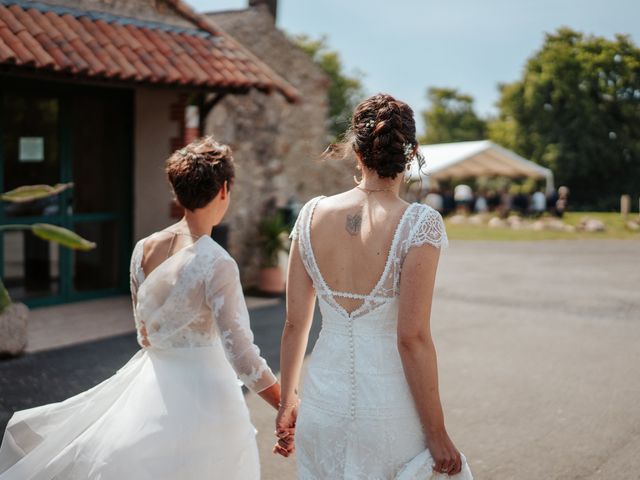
(370, 405)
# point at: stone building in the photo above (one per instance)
(94, 92)
(277, 144)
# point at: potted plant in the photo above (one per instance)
(273, 239)
(13, 315)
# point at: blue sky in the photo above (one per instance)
(405, 46)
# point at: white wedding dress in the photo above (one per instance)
(176, 410)
(357, 418)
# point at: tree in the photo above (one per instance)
(451, 117)
(576, 110)
(345, 91)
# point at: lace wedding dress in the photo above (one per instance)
(357, 418)
(176, 409)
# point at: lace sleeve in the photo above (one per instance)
(302, 218)
(136, 277)
(134, 272)
(224, 297)
(429, 229)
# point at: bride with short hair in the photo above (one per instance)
(370, 404)
(176, 409)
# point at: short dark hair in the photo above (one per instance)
(198, 171)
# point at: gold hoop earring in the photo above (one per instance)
(355, 179)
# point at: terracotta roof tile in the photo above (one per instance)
(83, 43)
(105, 36)
(155, 58)
(127, 45)
(78, 64)
(11, 21)
(95, 44)
(205, 59)
(50, 40)
(101, 45)
(23, 55)
(6, 54)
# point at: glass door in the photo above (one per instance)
(52, 135)
(100, 206)
(31, 155)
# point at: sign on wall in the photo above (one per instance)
(31, 149)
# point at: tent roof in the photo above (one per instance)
(476, 159)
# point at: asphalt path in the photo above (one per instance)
(538, 355)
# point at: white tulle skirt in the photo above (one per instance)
(167, 414)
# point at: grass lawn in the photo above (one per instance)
(613, 221)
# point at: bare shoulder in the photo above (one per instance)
(155, 243)
(334, 202)
(323, 207)
(346, 202)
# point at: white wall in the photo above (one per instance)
(154, 131)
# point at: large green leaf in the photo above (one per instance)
(29, 193)
(61, 235)
(5, 299)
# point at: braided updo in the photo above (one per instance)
(383, 134)
(198, 171)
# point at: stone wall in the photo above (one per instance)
(276, 145)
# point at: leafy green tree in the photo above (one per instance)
(451, 117)
(346, 90)
(576, 110)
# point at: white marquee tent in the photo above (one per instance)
(482, 158)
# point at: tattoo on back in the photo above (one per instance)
(353, 224)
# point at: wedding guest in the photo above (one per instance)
(538, 203)
(434, 200)
(463, 196)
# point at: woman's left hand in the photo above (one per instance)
(285, 430)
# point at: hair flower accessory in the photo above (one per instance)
(370, 124)
(408, 150)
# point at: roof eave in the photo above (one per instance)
(291, 94)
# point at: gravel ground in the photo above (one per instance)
(538, 344)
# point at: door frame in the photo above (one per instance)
(64, 92)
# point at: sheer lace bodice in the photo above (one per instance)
(194, 299)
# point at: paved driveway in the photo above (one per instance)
(539, 355)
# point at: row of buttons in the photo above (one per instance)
(352, 373)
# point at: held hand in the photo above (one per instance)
(285, 430)
(445, 455)
(285, 445)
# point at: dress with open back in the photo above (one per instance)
(357, 418)
(176, 409)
